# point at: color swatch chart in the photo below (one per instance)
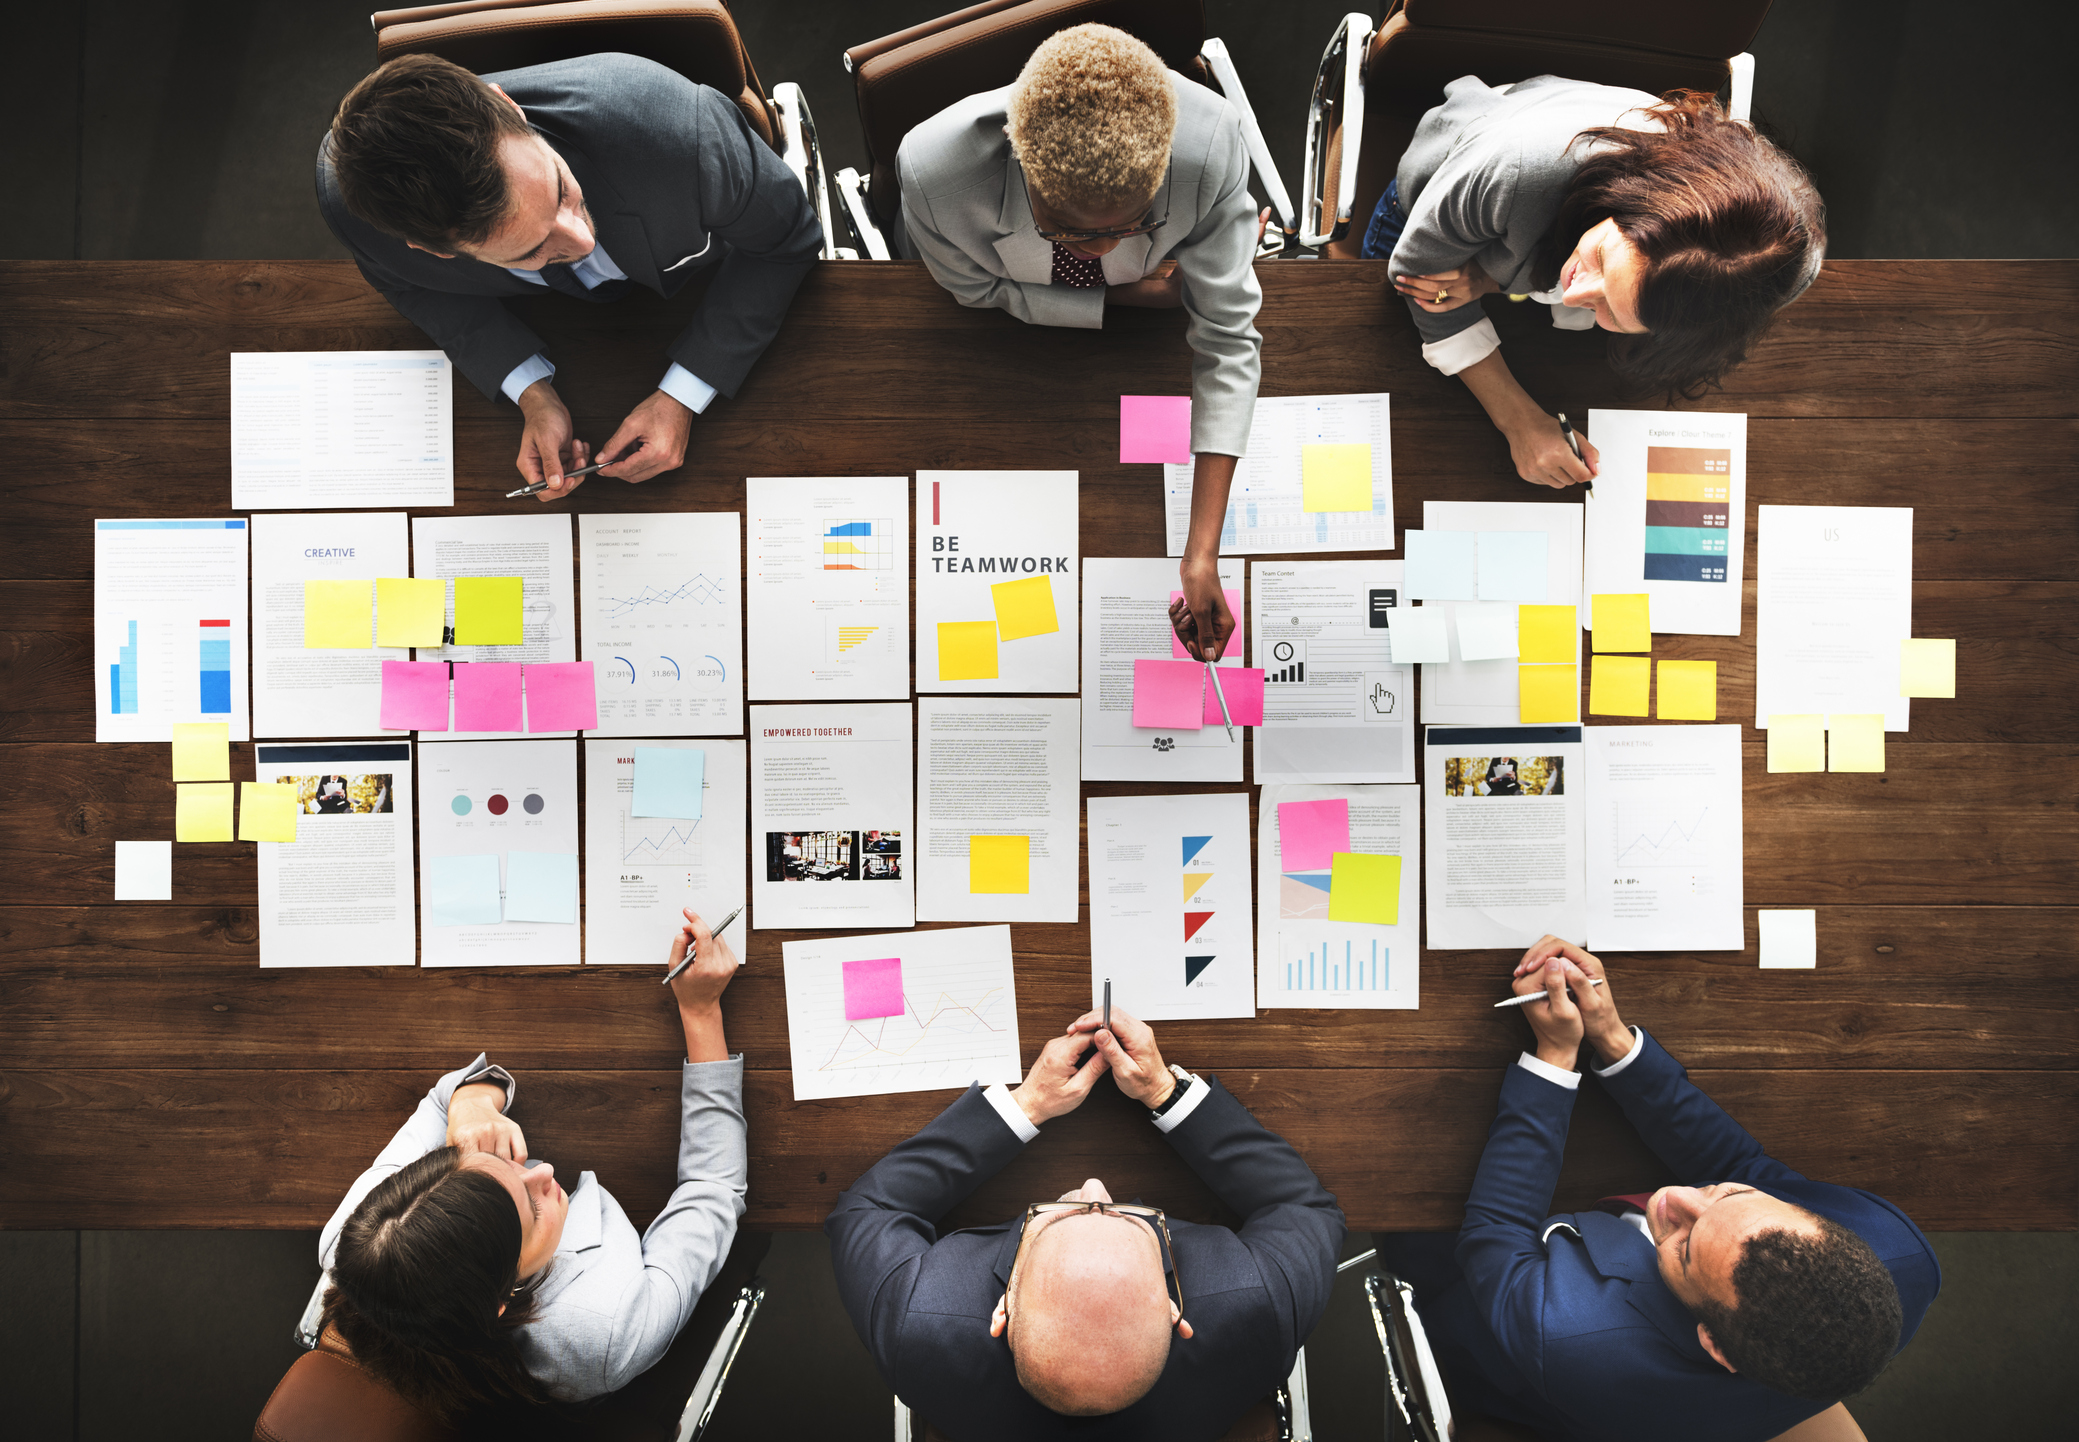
(1688, 506)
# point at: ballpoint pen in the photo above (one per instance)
(1573, 441)
(1107, 1003)
(687, 960)
(535, 488)
(1226, 717)
(1530, 996)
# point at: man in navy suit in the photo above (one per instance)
(1727, 1311)
(1080, 1316)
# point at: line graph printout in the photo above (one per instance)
(663, 621)
(1305, 960)
(828, 587)
(641, 871)
(1665, 855)
(1266, 508)
(958, 1021)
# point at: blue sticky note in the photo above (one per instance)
(541, 886)
(668, 781)
(1512, 565)
(462, 891)
(1441, 565)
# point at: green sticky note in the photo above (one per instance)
(1688, 690)
(1548, 693)
(1927, 668)
(1855, 743)
(201, 751)
(999, 864)
(487, 611)
(1797, 743)
(410, 612)
(266, 811)
(1620, 623)
(1364, 888)
(1025, 608)
(1546, 633)
(336, 615)
(202, 811)
(967, 650)
(1618, 685)
(1336, 478)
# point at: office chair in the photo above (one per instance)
(1374, 85)
(697, 38)
(904, 79)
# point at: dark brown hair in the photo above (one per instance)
(1817, 1317)
(415, 147)
(421, 1268)
(1730, 228)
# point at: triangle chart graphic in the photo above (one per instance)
(1316, 879)
(1193, 880)
(1193, 920)
(1193, 845)
(1193, 965)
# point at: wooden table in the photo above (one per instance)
(151, 1075)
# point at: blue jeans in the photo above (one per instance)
(1387, 222)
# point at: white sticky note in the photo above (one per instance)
(1512, 565)
(1789, 939)
(1417, 633)
(1487, 631)
(144, 871)
(1441, 565)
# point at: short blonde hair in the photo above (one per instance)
(1091, 117)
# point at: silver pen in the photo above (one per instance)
(687, 960)
(1226, 716)
(535, 488)
(1530, 996)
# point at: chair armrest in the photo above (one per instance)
(1336, 110)
(1742, 106)
(803, 154)
(1215, 53)
(861, 218)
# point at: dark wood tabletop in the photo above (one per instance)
(152, 1075)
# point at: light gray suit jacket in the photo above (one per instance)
(612, 1301)
(965, 215)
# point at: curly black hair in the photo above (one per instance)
(1818, 1317)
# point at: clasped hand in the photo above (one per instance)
(1574, 1008)
(1070, 1064)
(650, 442)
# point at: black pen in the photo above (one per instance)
(1566, 429)
(535, 488)
(687, 960)
(1107, 1003)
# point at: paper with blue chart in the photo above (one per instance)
(1169, 905)
(828, 572)
(663, 621)
(641, 871)
(1266, 506)
(1302, 958)
(169, 627)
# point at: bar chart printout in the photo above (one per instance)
(1307, 960)
(1355, 968)
(170, 609)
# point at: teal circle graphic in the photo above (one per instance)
(460, 805)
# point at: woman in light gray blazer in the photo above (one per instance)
(465, 1276)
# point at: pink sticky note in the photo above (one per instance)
(487, 696)
(415, 696)
(1310, 833)
(1154, 428)
(1234, 642)
(1169, 694)
(561, 696)
(873, 988)
(1243, 688)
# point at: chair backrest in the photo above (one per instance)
(697, 38)
(903, 79)
(327, 1397)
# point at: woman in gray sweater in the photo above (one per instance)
(1662, 221)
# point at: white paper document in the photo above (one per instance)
(1665, 848)
(642, 871)
(498, 799)
(536, 548)
(1267, 505)
(996, 809)
(1833, 599)
(298, 692)
(830, 816)
(1483, 693)
(1668, 516)
(663, 621)
(1305, 959)
(1504, 835)
(997, 549)
(1169, 905)
(340, 894)
(828, 587)
(341, 428)
(915, 1012)
(1126, 619)
(169, 628)
(1335, 706)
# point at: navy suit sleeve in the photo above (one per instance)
(887, 1220)
(1686, 1129)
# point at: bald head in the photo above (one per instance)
(1090, 1314)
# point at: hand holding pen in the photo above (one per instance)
(718, 960)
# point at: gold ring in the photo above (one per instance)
(1442, 296)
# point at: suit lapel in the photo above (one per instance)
(582, 1227)
(615, 225)
(1617, 1250)
(1025, 256)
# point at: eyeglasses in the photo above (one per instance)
(1153, 1216)
(1147, 224)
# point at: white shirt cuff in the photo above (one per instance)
(688, 389)
(1558, 1076)
(1013, 1115)
(1195, 1092)
(1638, 1044)
(526, 373)
(1469, 347)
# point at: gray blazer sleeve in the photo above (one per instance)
(1462, 210)
(1221, 299)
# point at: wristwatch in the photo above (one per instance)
(1184, 1081)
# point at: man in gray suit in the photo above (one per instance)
(1099, 178)
(583, 176)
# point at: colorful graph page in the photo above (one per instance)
(1688, 512)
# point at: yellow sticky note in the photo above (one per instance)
(1336, 478)
(336, 615)
(1621, 622)
(967, 650)
(202, 812)
(1618, 685)
(1548, 693)
(1688, 690)
(201, 751)
(1546, 633)
(1025, 608)
(999, 864)
(487, 611)
(409, 612)
(1927, 668)
(266, 811)
(1797, 743)
(1855, 743)
(1364, 888)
